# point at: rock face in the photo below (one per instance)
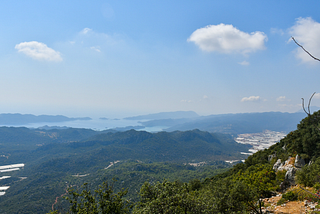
(290, 175)
(277, 165)
(289, 166)
(299, 163)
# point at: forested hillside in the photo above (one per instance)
(241, 188)
(57, 159)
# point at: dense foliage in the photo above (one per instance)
(102, 200)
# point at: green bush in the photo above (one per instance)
(309, 174)
(317, 186)
(290, 196)
(280, 175)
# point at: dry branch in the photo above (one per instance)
(304, 49)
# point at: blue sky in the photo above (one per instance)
(123, 58)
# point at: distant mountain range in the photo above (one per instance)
(226, 123)
(180, 121)
(243, 123)
(23, 119)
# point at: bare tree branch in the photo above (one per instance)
(303, 107)
(310, 102)
(308, 113)
(304, 49)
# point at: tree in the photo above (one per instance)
(100, 201)
(170, 197)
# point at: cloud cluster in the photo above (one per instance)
(281, 98)
(227, 39)
(251, 99)
(38, 51)
(306, 32)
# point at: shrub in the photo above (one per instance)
(317, 186)
(281, 175)
(309, 174)
(290, 196)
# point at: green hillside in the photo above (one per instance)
(57, 159)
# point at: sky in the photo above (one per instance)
(131, 57)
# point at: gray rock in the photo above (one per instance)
(299, 163)
(290, 175)
(277, 165)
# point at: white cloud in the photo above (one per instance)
(85, 30)
(244, 63)
(227, 39)
(250, 99)
(38, 51)
(96, 48)
(205, 97)
(281, 98)
(306, 32)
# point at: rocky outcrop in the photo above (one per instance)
(277, 165)
(299, 163)
(290, 175)
(289, 166)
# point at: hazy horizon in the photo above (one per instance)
(123, 115)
